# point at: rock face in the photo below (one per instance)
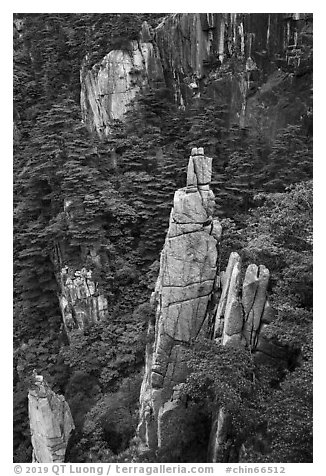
(242, 318)
(80, 299)
(81, 303)
(108, 88)
(51, 423)
(189, 53)
(220, 444)
(244, 312)
(182, 295)
(191, 298)
(196, 49)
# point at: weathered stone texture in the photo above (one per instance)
(233, 319)
(80, 301)
(50, 421)
(186, 52)
(188, 268)
(242, 310)
(219, 443)
(242, 318)
(199, 169)
(234, 261)
(189, 299)
(109, 87)
(255, 302)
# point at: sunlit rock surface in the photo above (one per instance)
(192, 298)
(183, 291)
(80, 302)
(50, 421)
(109, 87)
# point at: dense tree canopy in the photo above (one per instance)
(121, 190)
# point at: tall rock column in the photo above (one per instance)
(244, 312)
(184, 288)
(109, 86)
(50, 421)
(242, 319)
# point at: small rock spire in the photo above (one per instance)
(199, 173)
(50, 421)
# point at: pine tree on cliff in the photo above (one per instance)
(61, 166)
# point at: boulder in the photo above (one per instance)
(202, 169)
(191, 176)
(199, 172)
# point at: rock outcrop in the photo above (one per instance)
(51, 422)
(182, 296)
(109, 87)
(244, 313)
(191, 298)
(197, 49)
(80, 299)
(242, 319)
(81, 303)
(189, 53)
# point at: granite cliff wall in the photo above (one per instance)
(108, 87)
(244, 60)
(81, 303)
(80, 299)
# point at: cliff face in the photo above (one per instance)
(182, 297)
(81, 303)
(244, 60)
(108, 88)
(51, 423)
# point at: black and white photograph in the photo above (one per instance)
(163, 237)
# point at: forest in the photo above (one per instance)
(88, 201)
